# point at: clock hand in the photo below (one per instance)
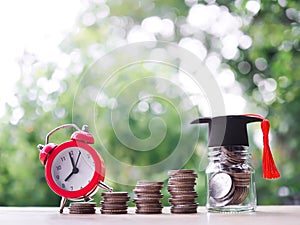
(77, 160)
(72, 160)
(68, 177)
(75, 170)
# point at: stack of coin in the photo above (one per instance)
(114, 202)
(148, 197)
(232, 159)
(82, 208)
(241, 179)
(233, 155)
(240, 194)
(228, 188)
(181, 187)
(241, 182)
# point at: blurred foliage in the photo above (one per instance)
(271, 83)
(267, 72)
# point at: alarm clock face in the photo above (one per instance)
(73, 170)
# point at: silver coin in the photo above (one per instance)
(220, 185)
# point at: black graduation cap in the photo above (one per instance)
(227, 130)
(232, 130)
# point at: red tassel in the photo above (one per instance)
(269, 169)
(268, 165)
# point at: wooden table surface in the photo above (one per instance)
(49, 216)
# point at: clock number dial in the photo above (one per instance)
(73, 169)
(63, 158)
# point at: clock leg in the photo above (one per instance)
(105, 186)
(62, 204)
(87, 198)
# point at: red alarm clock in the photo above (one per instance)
(73, 169)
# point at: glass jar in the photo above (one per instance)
(230, 180)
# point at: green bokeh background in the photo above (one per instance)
(275, 34)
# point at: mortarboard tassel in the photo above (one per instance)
(268, 165)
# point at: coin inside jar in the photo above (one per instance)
(220, 185)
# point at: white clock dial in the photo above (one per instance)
(73, 168)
